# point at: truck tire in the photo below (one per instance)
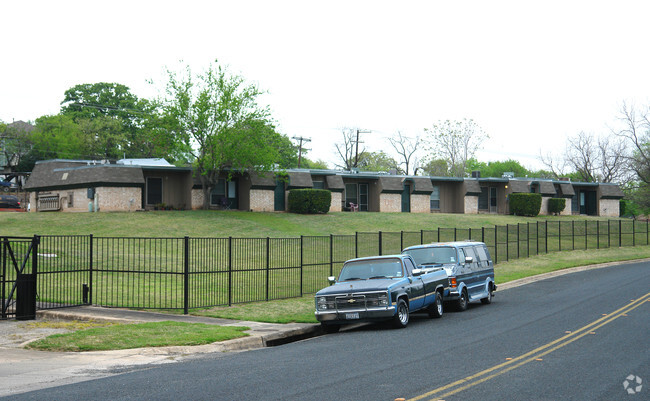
(436, 309)
(488, 299)
(401, 318)
(461, 304)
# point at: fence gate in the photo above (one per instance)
(19, 259)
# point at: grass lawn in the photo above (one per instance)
(222, 224)
(127, 336)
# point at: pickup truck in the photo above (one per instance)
(380, 288)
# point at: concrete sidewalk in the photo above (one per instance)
(23, 370)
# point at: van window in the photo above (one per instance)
(481, 251)
(469, 251)
(461, 256)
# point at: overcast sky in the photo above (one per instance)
(529, 73)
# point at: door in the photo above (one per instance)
(363, 197)
(233, 199)
(279, 203)
(154, 190)
(406, 198)
(493, 200)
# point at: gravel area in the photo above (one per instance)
(15, 334)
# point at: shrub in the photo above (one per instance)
(556, 205)
(309, 201)
(628, 209)
(525, 204)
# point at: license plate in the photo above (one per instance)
(351, 316)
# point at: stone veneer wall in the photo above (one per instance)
(337, 199)
(117, 199)
(420, 203)
(109, 199)
(390, 202)
(544, 208)
(609, 208)
(471, 204)
(197, 199)
(262, 200)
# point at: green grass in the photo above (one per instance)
(241, 224)
(128, 336)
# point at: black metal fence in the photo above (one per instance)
(185, 273)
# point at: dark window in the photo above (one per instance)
(483, 199)
(218, 193)
(435, 198)
(154, 190)
(319, 184)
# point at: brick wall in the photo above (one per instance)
(390, 202)
(197, 199)
(337, 199)
(262, 200)
(609, 208)
(471, 204)
(420, 203)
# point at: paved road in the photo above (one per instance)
(577, 336)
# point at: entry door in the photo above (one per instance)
(363, 197)
(406, 198)
(493, 200)
(154, 190)
(279, 204)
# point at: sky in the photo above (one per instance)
(528, 73)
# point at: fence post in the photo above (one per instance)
(633, 233)
(401, 240)
(573, 235)
(647, 231)
(186, 275)
(90, 272)
(356, 244)
(559, 235)
(586, 236)
(496, 243)
(507, 242)
(301, 265)
(518, 239)
(268, 266)
(546, 236)
(455, 234)
(331, 255)
(421, 237)
(438, 234)
(597, 234)
(229, 271)
(537, 237)
(620, 233)
(528, 239)
(380, 244)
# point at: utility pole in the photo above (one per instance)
(301, 140)
(356, 152)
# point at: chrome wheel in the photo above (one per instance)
(462, 301)
(402, 315)
(436, 310)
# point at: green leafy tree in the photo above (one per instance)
(60, 137)
(436, 168)
(216, 122)
(15, 142)
(316, 165)
(376, 161)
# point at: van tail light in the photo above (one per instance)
(452, 282)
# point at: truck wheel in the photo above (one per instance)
(436, 309)
(330, 328)
(461, 304)
(401, 318)
(488, 299)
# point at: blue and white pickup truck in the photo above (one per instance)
(380, 288)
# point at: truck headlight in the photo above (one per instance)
(321, 303)
(382, 300)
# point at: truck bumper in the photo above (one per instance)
(354, 316)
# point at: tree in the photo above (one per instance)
(406, 148)
(216, 121)
(376, 161)
(317, 164)
(136, 121)
(15, 142)
(347, 150)
(59, 137)
(436, 168)
(455, 142)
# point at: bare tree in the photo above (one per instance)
(348, 149)
(456, 142)
(406, 148)
(635, 130)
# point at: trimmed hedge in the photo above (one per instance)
(309, 201)
(525, 204)
(556, 205)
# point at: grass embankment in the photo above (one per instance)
(242, 224)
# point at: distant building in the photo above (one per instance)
(147, 184)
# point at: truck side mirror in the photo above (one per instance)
(469, 259)
(331, 279)
(418, 272)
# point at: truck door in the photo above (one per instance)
(416, 293)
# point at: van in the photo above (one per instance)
(468, 265)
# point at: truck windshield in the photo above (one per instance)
(433, 255)
(370, 269)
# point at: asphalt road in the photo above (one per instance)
(577, 336)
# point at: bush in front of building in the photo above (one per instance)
(556, 205)
(309, 201)
(525, 204)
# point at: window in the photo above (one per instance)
(409, 266)
(435, 198)
(483, 199)
(319, 184)
(218, 193)
(70, 199)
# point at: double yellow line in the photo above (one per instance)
(536, 354)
